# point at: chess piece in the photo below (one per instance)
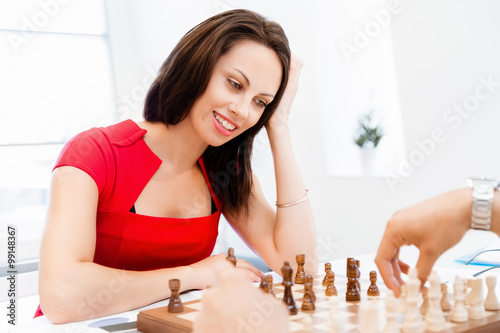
(459, 312)
(310, 279)
(328, 267)
(264, 285)
(425, 303)
(445, 301)
(434, 318)
(286, 272)
(269, 279)
(300, 277)
(373, 288)
(401, 308)
(391, 304)
(230, 256)
(413, 322)
(491, 302)
(175, 303)
(476, 308)
(308, 302)
(330, 287)
(352, 293)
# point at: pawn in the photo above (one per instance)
(269, 279)
(445, 301)
(328, 267)
(308, 303)
(264, 285)
(300, 277)
(391, 304)
(373, 289)
(310, 279)
(331, 290)
(425, 304)
(175, 304)
(491, 302)
(230, 256)
(459, 313)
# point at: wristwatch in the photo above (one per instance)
(483, 191)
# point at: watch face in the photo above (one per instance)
(471, 182)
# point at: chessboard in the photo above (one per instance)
(159, 320)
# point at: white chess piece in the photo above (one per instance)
(459, 313)
(413, 322)
(476, 308)
(368, 313)
(391, 305)
(434, 319)
(491, 302)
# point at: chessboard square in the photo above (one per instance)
(195, 306)
(340, 314)
(324, 327)
(298, 287)
(191, 316)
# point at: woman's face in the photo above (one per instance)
(243, 82)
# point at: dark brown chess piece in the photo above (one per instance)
(175, 303)
(264, 285)
(230, 256)
(308, 302)
(310, 279)
(286, 272)
(328, 267)
(269, 279)
(331, 290)
(300, 277)
(352, 293)
(373, 288)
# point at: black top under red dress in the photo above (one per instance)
(121, 164)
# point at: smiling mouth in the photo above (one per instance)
(224, 123)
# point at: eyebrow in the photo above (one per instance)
(248, 82)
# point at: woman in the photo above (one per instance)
(136, 204)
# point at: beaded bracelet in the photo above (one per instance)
(294, 203)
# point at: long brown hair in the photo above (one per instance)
(184, 76)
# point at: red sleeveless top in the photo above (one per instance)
(121, 164)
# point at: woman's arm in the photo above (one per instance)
(71, 286)
(282, 234)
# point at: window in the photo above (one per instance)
(356, 75)
(56, 82)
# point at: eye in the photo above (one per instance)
(234, 84)
(260, 103)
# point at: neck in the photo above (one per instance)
(175, 145)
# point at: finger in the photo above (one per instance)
(387, 262)
(425, 263)
(405, 268)
(241, 263)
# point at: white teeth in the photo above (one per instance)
(224, 123)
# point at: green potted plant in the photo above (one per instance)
(367, 137)
(368, 134)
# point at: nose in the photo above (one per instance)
(239, 109)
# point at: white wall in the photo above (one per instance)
(440, 49)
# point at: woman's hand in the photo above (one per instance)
(206, 270)
(280, 116)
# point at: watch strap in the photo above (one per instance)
(482, 200)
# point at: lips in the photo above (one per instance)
(225, 126)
